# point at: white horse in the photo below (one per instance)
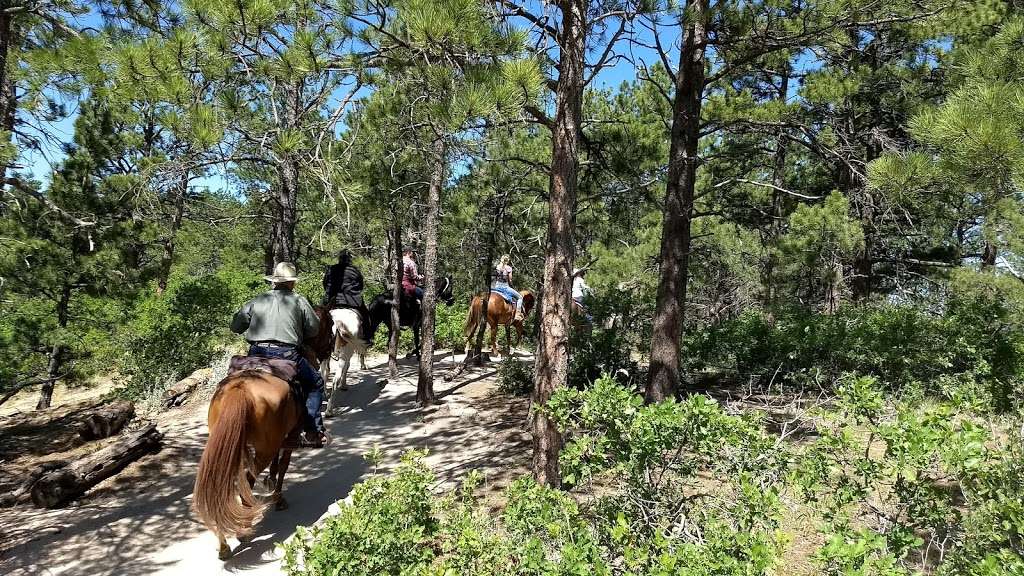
(345, 331)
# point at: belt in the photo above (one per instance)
(273, 345)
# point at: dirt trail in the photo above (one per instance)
(139, 522)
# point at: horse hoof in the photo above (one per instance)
(224, 553)
(281, 504)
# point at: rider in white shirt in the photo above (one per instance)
(580, 290)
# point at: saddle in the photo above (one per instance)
(279, 368)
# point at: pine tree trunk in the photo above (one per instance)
(674, 260)
(286, 202)
(56, 351)
(7, 96)
(425, 384)
(167, 258)
(285, 208)
(396, 295)
(775, 224)
(552, 369)
(989, 255)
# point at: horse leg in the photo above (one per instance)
(269, 482)
(223, 551)
(339, 382)
(284, 459)
(494, 337)
(416, 338)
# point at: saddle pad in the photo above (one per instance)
(278, 367)
(505, 296)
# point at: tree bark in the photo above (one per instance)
(396, 295)
(286, 208)
(497, 211)
(776, 215)
(676, 239)
(167, 258)
(425, 384)
(286, 203)
(7, 96)
(106, 420)
(989, 255)
(56, 351)
(552, 368)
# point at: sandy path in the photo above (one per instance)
(139, 522)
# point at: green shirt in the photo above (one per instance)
(279, 315)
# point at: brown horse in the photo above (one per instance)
(499, 312)
(250, 411)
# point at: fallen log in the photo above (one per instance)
(60, 486)
(106, 420)
(23, 493)
(179, 392)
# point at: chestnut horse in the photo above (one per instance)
(499, 312)
(251, 411)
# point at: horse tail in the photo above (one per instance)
(472, 320)
(223, 498)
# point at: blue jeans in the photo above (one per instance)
(418, 293)
(312, 382)
(509, 294)
(583, 309)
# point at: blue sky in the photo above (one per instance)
(40, 164)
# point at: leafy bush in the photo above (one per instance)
(600, 352)
(973, 352)
(662, 520)
(170, 335)
(905, 486)
(515, 377)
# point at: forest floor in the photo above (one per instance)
(140, 522)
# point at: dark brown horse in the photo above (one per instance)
(250, 416)
(499, 312)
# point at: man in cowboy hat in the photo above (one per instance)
(275, 324)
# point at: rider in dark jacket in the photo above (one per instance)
(343, 288)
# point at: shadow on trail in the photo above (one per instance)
(149, 528)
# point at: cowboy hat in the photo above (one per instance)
(283, 272)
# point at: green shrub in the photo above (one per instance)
(902, 485)
(973, 352)
(661, 520)
(515, 377)
(172, 334)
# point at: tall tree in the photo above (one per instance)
(290, 79)
(569, 32)
(458, 69)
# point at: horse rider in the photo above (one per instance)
(502, 285)
(581, 291)
(411, 276)
(275, 324)
(343, 288)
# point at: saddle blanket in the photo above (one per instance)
(278, 367)
(508, 297)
